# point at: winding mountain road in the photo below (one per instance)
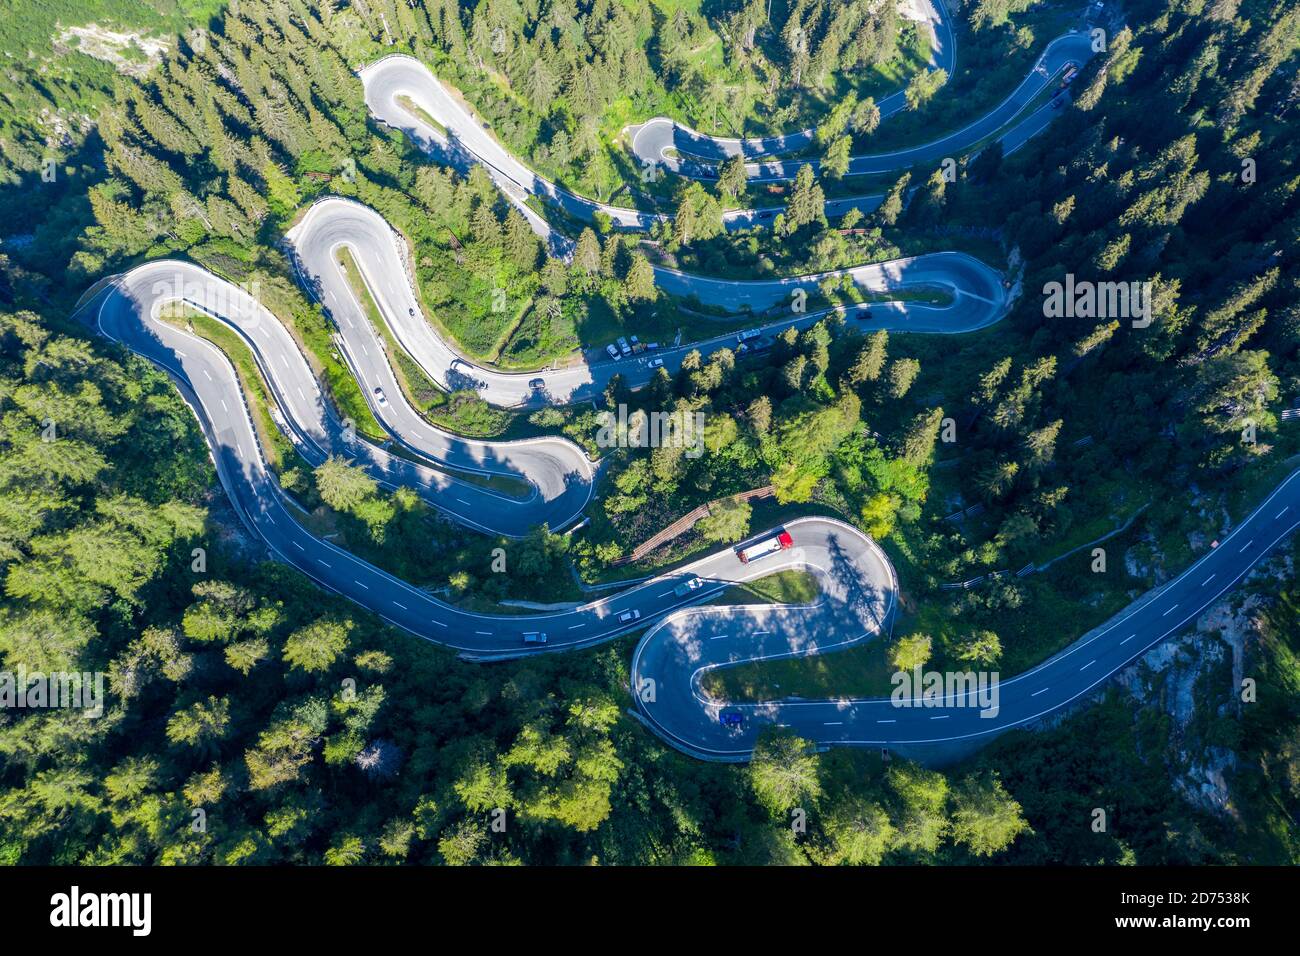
(145, 310)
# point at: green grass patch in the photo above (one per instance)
(462, 412)
(783, 587)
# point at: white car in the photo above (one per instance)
(656, 363)
(380, 397)
(613, 352)
(686, 587)
(630, 615)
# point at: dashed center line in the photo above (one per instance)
(1037, 692)
(1089, 664)
(1170, 611)
(1207, 580)
(1127, 639)
(401, 605)
(1246, 545)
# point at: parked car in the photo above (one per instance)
(534, 637)
(632, 614)
(380, 397)
(613, 352)
(656, 363)
(410, 312)
(731, 718)
(537, 384)
(687, 586)
(623, 346)
(651, 346)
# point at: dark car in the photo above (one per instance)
(536, 384)
(731, 718)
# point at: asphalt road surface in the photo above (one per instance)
(681, 648)
(666, 143)
(858, 585)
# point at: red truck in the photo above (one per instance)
(765, 547)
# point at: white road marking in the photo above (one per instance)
(574, 627)
(1207, 580)
(1282, 512)
(1089, 664)
(1127, 639)
(358, 583)
(401, 605)
(886, 721)
(941, 717)
(207, 374)
(298, 546)
(488, 633)
(1170, 611)
(833, 723)
(1037, 692)
(323, 562)
(1246, 545)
